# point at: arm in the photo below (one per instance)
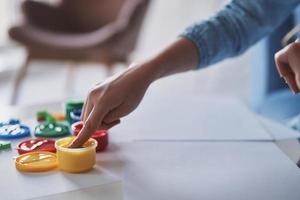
(120, 95)
(229, 33)
(236, 27)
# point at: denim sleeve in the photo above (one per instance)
(236, 27)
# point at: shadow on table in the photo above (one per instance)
(291, 148)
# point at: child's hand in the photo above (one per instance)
(288, 65)
(109, 101)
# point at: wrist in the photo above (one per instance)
(180, 56)
(148, 71)
(153, 69)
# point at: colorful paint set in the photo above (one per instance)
(43, 153)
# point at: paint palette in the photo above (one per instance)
(13, 129)
(40, 154)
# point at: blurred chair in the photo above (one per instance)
(102, 31)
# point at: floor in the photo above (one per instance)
(46, 80)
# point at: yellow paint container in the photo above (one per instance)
(75, 160)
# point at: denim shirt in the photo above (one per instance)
(236, 27)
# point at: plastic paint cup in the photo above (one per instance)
(75, 160)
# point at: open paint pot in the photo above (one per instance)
(75, 160)
(101, 136)
(36, 144)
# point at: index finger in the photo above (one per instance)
(89, 127)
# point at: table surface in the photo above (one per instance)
(208, 147)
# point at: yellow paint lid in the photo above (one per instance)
(38, 161)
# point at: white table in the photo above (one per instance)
(217, 150)
(208, 170)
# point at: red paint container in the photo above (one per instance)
(100, 135)
(36, 144)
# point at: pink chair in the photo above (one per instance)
(102, 31)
